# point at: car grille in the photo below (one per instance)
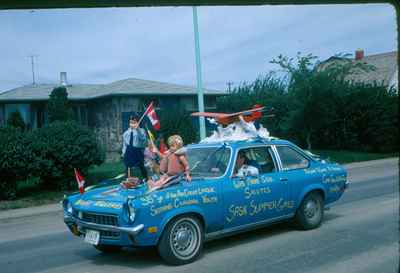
(109, 234)
(102, 219)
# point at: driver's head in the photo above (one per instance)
(241, 159)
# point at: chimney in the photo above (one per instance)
(359, 55)
(63, 79)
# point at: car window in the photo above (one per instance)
(291, 159)
(208, 161)
(259, 157)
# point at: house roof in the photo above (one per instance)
(385, 68)
(130, 86)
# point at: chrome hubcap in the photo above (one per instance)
(185, 239)
(311, 209)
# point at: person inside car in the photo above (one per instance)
(244, 166)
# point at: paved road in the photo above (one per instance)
(359, 234)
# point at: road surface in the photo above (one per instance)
(359, 234)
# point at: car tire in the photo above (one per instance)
(182, 241)
(311, 211)
(108, 248)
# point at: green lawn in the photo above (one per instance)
(31, 196)
(35, 199)
(104, 171)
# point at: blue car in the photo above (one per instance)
(236, 186)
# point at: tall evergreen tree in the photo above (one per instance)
(59, 108)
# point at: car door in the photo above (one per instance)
(254, 198)
(293, 171)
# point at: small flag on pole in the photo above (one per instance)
(80, 180)
(151, 136)
(152, 116)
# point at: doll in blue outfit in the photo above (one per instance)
(134, 142)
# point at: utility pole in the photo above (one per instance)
(200, 96)
(33, 67)
(229, 86)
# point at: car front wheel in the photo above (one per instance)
(181, 241)
(311, 211)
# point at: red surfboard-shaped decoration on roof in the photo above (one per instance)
(226, 119)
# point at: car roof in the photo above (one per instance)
(243, 143)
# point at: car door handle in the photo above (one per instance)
(283, 179)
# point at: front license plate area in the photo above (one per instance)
(92, 237)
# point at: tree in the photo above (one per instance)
(177, 122)
(268, 91)
(15, 120)
(313, 90)
(59, 108)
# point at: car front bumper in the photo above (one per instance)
(76, 224)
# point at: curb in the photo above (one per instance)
(24, 212)
(31, 211)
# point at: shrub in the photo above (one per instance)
(15, 120)
(14, 157)
(61, 147)
(178, 122)
(59, 108)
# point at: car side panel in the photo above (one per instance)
(200, 197)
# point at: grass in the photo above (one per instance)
(29, 195)
(35, 199)
(351, 156)
(104, 171)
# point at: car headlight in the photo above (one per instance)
(69, 207)
(131, 211)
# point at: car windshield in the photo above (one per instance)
(208, 161)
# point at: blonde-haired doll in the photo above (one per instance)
(173, 162)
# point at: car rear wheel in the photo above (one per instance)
(181, 241)
(311, 211)
(107, 248)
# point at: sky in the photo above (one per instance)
(157, 43)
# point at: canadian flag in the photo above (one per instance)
(152, 116)
(80, 180)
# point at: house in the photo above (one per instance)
(103, 107)
(385, 64)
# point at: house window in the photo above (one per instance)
(22, 108)
(144, 102)
(80, 113)
(189, 103)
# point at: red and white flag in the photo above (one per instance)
(80, 180)
(152, 116)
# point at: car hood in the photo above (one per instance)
(108, 198)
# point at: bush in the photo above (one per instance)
(59, 108)
(178, 122)
(15, 120)
(61, 147)
(14, 157)
(50, 154)
(320, 109)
